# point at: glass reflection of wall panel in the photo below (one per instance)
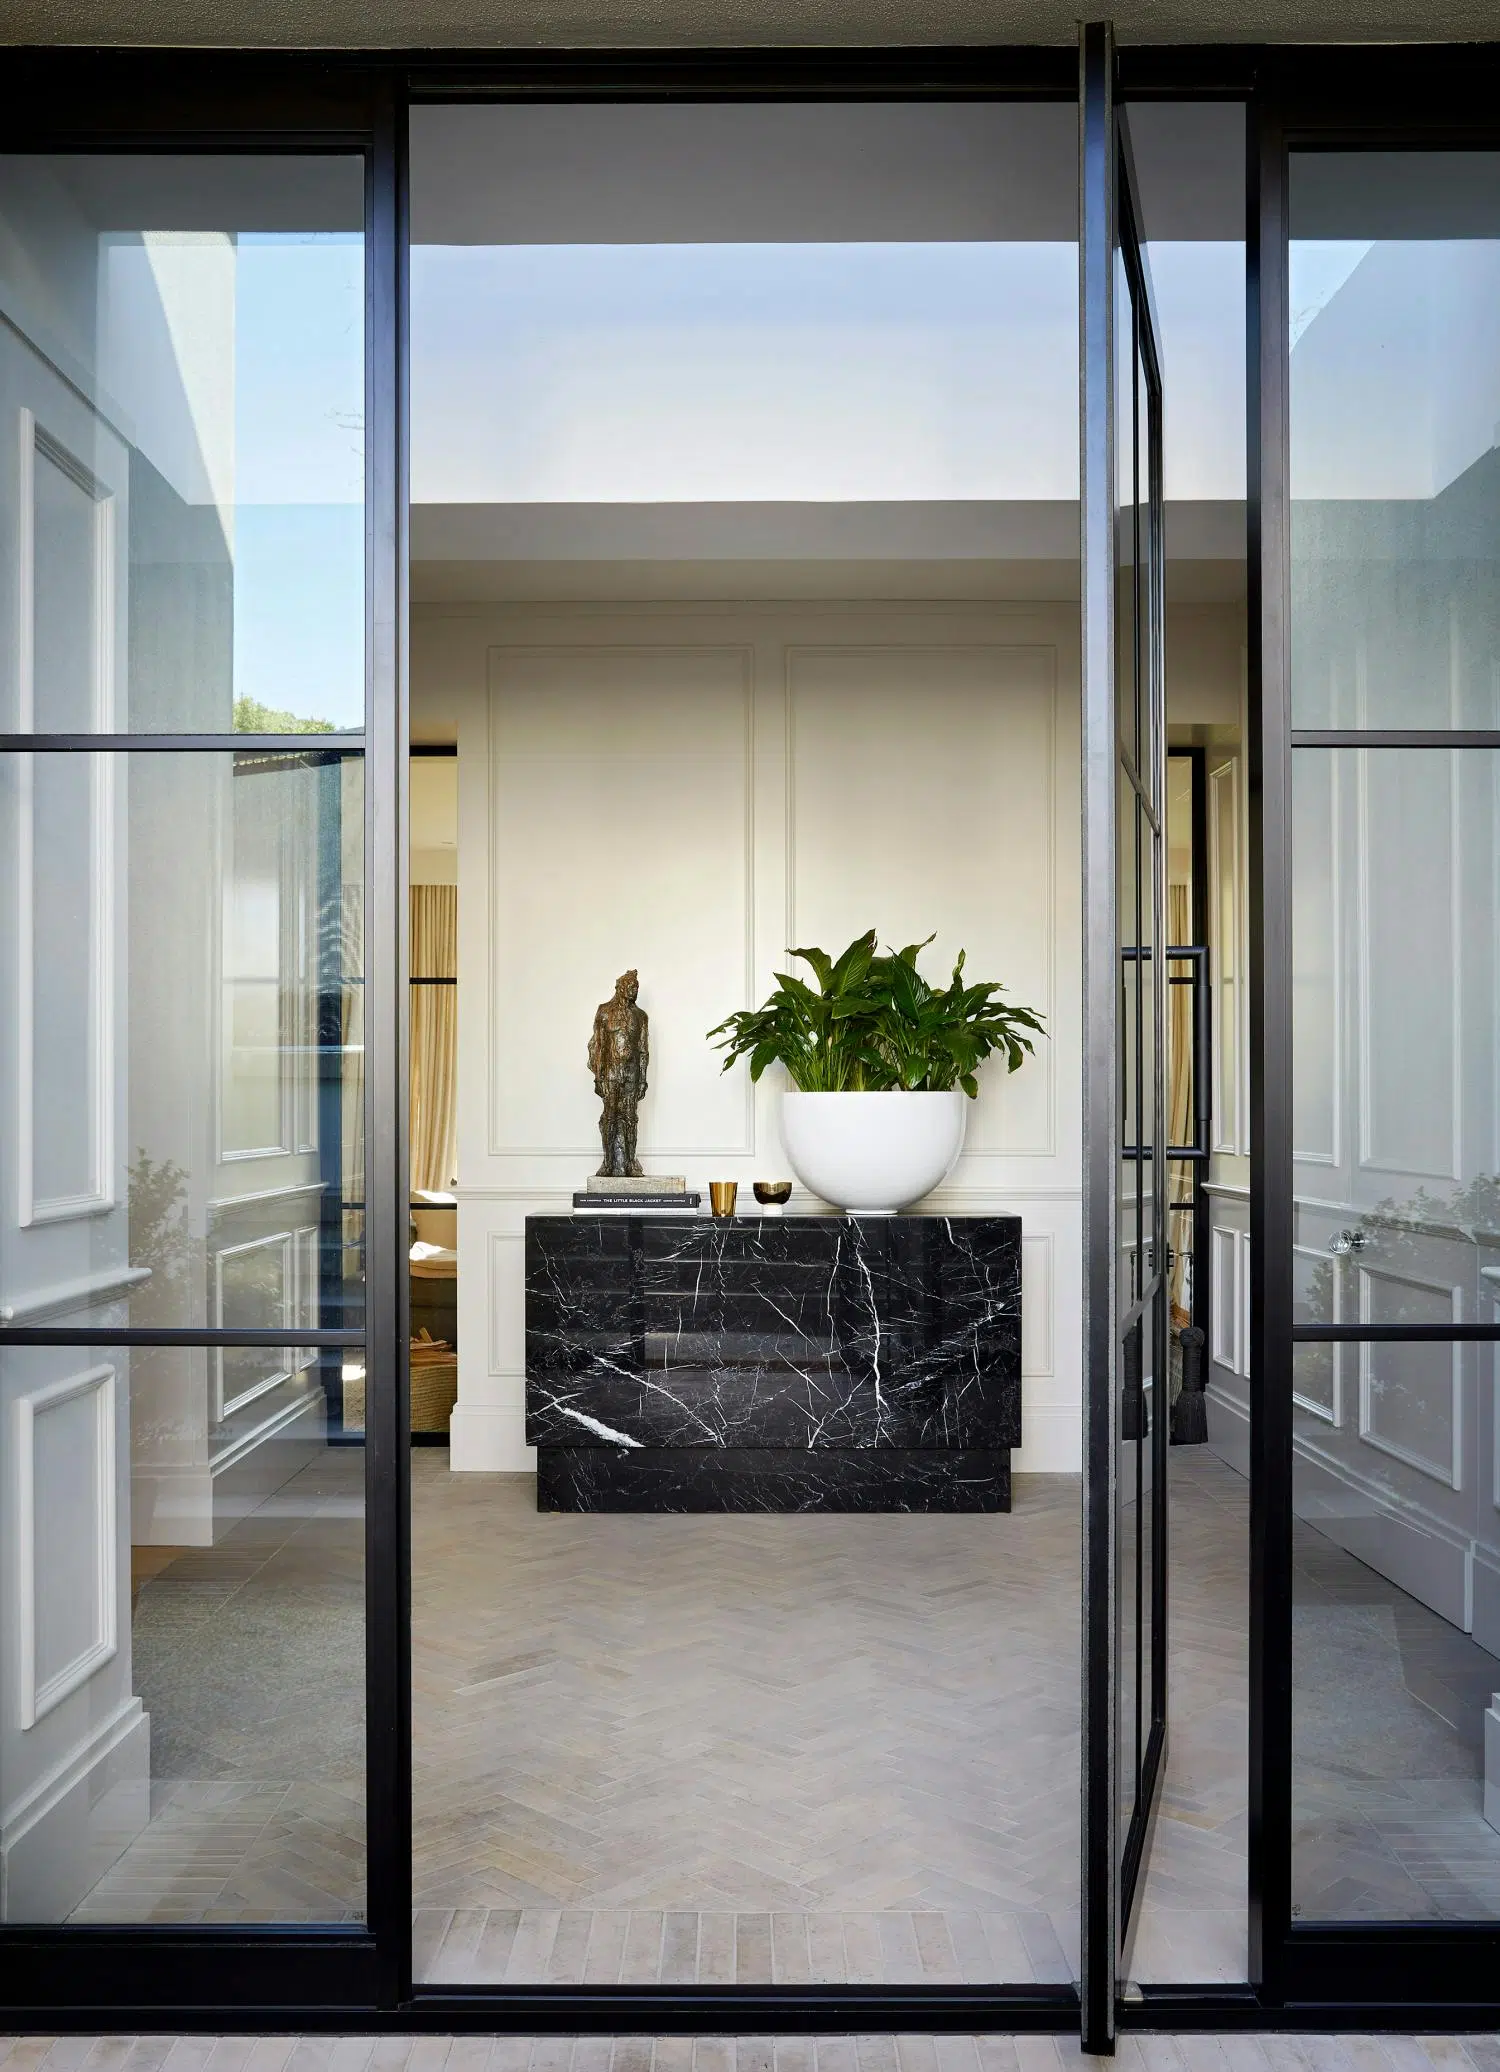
(1395, 288)
(181, 552)
(745, 576)
(1190, 160)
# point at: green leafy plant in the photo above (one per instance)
(161, 1238)
(873, 1024)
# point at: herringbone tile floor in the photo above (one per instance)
(789, 1749)
(752, 1748)
(1192, 1916)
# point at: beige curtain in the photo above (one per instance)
(434, 1038)
(1180, 1091)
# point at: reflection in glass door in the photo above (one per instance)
(182, 1258)
(1128, 1284)
(1142, 1283)
(1395, 1119)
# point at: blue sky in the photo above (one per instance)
(299, 553)
(670, 372)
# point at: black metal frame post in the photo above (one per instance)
(1098, 1783)
(1203, 1056)
(1116, 1413)
(387, 961)
(1269, 783)
(137, 102)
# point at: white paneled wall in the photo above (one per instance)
(689, 788)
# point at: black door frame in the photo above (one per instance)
(98, 102)
(303, 1978)
(1124, 1422)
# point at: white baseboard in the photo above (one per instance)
(192, 1504)
(1421, 1555)
(1051, 1440)
(1428, 1564)
(1486, 1606)
(58, 1841)
(489, 1439)
(1229, 1430)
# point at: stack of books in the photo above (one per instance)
(677, 1203)
(647, 1194)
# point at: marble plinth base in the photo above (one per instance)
(770, 1478)
(798, 1363)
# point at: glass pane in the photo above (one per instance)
(1190, 162)
(1395, 1114)
(1395, 473)
(184, 1046)
(182, 444)
(1395, 1107)
(737, 433)
(190, 1648)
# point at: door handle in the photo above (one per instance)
(1344, 1241)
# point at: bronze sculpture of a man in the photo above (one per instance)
(618, 1055)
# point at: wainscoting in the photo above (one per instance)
(691, 788)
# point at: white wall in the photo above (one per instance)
(689, 788)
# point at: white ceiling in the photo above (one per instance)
(511, 24)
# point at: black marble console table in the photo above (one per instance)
(797, 1363)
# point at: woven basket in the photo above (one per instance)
(434, 1390)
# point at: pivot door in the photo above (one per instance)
(1127, 1283)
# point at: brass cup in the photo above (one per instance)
(721, 1197)
(772, 1195)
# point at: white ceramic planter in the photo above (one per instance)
(872, 1153)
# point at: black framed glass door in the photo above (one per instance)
(200, 786)
(1375, 1334)
(1125, 1205)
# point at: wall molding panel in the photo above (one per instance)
(735, 759)
(1377, 958)
(282, 1244)
(1015, 676)
(42, 448)
(1224, 1310)
(95, 1194)
(43, 1684)
(650, 812)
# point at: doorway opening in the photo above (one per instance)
(745, 582)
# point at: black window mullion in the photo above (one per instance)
(324, 747)
(167, 1335)
(386, 1004)
(1395, 1334)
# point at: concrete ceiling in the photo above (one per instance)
(519, 24)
